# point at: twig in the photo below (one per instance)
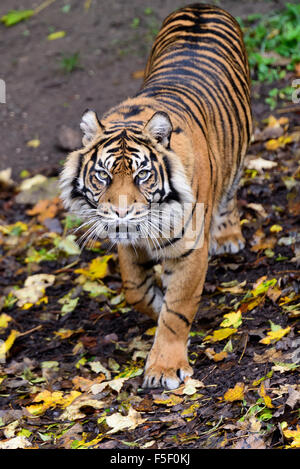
(43, 5)
(244, 349)
(30, 330)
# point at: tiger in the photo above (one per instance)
(151, 161)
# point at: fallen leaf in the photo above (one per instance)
(16, 16)
(115, 384)
(35, 143)
(252, 442)
(4, 320)
(18, 442)
(260, 163)
(138, 74)
(168, 400)
(220, 334)
(275, 335)
(73, 410)
(291, 435)
(212, 355)
(280, 142)
(46, 209)
(258, 208)
(236, 393)
(97, 269)
(232, 319)
(56, 35)
(120, 422)
(191, 385)
(45, 400)
(34, 288)
(265, 397)
(7, 344)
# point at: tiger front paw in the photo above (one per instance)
(167, 373)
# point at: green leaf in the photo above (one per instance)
(16, 16)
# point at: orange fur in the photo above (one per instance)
(180, 141)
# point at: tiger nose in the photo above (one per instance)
(122, 211)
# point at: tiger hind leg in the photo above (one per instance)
(225, 231)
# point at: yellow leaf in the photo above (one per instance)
(35, 143)
(220, 334)
(4, 320)
(265, 397)
(280, 142)
(236, 393)
(97, 268)
(275, 228)
(56, 35)
(291, 434)
(6, 346)
(46, 399)
(151, 331)
(232, 319)
(169, 401)
(274, 336)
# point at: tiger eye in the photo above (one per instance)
(103, 174)
(143, 174)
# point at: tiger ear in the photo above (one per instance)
(90, 125)
(160, 127)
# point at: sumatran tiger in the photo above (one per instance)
(158, 175)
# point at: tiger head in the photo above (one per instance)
(126, 183)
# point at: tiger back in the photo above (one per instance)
(156, 161)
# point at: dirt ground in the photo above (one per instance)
(60, 353)
(41, 97)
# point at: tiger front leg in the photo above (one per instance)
(167, 364)
(138, 278)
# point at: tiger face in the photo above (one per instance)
(126, 183)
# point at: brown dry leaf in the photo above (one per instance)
(73, 410)
(168, 400)
(84, 384)
(236, 393)
(45, 209)
(294, 397)
(212, 355)
(252, 442)
(260, 242)
(269, 356)
(274, 293)
(138, 74)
